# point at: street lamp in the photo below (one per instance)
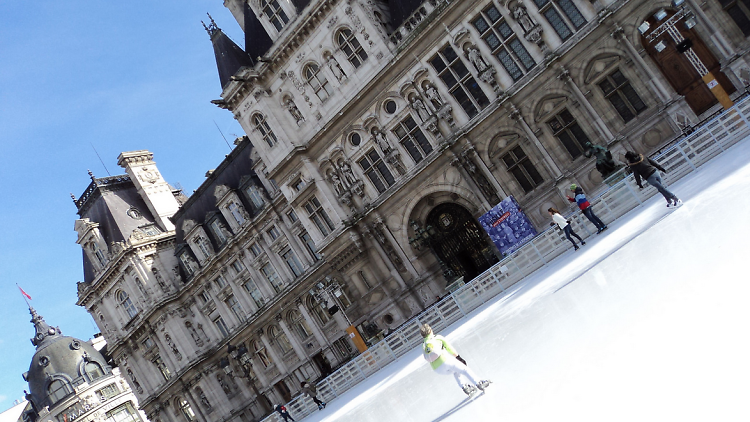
(683, 45)
(240, 354)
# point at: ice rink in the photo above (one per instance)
(647, 322)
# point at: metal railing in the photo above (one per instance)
(681, 159)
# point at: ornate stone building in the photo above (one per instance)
(377, 133)
(70, 380)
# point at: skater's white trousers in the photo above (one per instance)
(458, 369)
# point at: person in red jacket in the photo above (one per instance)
(283, 412)
(585, 206)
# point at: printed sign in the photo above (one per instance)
(507, 225)
(712, 83)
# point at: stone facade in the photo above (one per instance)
(372, 133)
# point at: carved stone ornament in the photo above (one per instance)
(188, 225)
(220, 192)
(548, 106)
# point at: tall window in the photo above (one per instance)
(256, 250)
(412, 138)
(317, 81)
(254, 292)
(459, 81)
(123, 413)
(273, 233)
(280, 339)
(218, 231)
(127, 304)
(57, 390)
(186, 410)
(203, 246)
(297, 321)
(264, 129)
(260, 352)
(364, 279)
(98, 254)
(237, 266)
(522, 169)
(187, 262)
(93, 370)
(310, 244)
(551, 10)
(275, 14)
(236, 212)
(273, 277)
(739, 11)
(351, 47)
(567, 130)
(376, 170)
(292, 262)
(621, 94)
(320, 310)
(162, 367)
(319, 216)
(222, 326)
(256, 197)
(236, 308)
(504, 43)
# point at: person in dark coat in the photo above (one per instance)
(283, 412)
(585, 206)
(309, 390)
(646, 168)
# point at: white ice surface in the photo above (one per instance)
(647, 322)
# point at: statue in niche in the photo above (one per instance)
(224, 385)
(380, 139)
(338, 185)
(336, 69)
(160, 280)
(605, 164)
(194, 334)
(135, 382)
(434, 96)
(346, 170)
(205, 401)
(172, 346)
(293, 110)
(521, 15)
(419, 107)
(475, 57)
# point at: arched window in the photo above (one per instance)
(260, 352)
(98, 254)
(319, 309)
(280, 339)
(351, 47)
(275, 14)
(127, 304)
(57, 390)
(317, 81)
(297, 321)
(93, 370)
(264, 129)
(185, 409)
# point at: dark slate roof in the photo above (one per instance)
(257, 40)
(402, 9)
(300, 4)
(229, 57)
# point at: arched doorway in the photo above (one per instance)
(459, 241)
(676, 67)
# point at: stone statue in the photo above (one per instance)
(434, 96)
(338, 185)
(336, 69)
(476, 58)
(293, 110)
(224, 386)
(605, 164)
(381, 140)
(346, 170)
(205, 401)
(419, 107)
(522, 17)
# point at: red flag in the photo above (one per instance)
(26, 295)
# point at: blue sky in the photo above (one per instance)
(120, 76)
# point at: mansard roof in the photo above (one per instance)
(230, 58)
(402, 9)
(257, 40)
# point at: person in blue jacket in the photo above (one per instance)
(585, 206)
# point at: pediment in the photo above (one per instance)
(220, 192)
(548, 106)
(188, 225)
(501, 142)
(601, 66)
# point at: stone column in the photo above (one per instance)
(279, 362)
(317, 332)
(292, 339)
(653, 79)
(456, 162)
(294, 243)
(281, 267)
(385, 258)
(396, 246)
(599, 124)
(722, 43)
(485, 170)
(323, 187)
(549, 162)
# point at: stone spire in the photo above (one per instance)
(43, 330)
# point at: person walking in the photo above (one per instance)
(444, 360)
(561, 222)
(310, 391)
(583, 203)
(283, 412)
(645, 168)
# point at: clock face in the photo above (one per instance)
(149, 175)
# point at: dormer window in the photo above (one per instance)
(98, 254)
(236, 212)
(261, 125)
(93, 370)
(202, 244)
(272, 10)
(256, 197)
(218, 231)
(57, 390)
(187, 263)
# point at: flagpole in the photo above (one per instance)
(25, 295)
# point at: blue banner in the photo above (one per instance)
(508, 226)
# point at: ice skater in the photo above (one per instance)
(309, 391)
(561, 222)
(444, 360)
(283, 412)
(583, 203)
(645, 168)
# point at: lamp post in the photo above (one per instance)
(240, 354)
(683, 45)
(328, 294)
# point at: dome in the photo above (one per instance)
(60, 364)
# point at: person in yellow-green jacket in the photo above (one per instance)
(444, 360)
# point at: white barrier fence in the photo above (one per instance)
(679, 160)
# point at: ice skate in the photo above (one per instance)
(676, 202)
(483, 384)
(469, 389)
(575, 247)
(583, 243)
